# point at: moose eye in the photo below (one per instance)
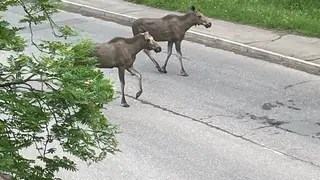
(199, 16)
(148, 40)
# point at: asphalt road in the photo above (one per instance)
(233, 118)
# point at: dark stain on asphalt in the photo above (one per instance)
(270, 105)
(294, 108)
(318, 124)
(266, 120)
(316, 135)
(280, 103)
(292, 102)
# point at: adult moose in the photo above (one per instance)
(121, 52)
(170, 28)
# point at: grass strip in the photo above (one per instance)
(295, 16)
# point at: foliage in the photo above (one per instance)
(46, 102)
(299, 16)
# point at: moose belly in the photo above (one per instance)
(160, 31)
(162, 35)
(106, 60)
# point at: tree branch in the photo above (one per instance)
(39, 100)
(52, 24)
(30, 27)
(19, 82)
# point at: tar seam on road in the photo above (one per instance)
(303, 82)
(223, 130)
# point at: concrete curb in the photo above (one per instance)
(207, 40)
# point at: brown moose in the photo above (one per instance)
(170, 28)
(121, 52)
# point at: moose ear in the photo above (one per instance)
(192, 8)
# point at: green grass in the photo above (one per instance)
(296, 16)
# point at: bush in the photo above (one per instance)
(48, 104)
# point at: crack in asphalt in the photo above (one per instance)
(270, 41)
(290, 131)
(302, 82)
(218, 115)
(314, 59)
(223, 130)
(283, 129)
(262, 127)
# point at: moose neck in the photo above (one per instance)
(187, 21)
(136, 44)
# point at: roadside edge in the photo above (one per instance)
(205, 39)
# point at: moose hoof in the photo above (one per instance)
(138, 94)
(183, 73)
(125, 104)
(163, 70)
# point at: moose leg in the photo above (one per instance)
(164, 67)
(178, 49)
(140, 80)
(147, 52)
(121, 77)
(132, 73)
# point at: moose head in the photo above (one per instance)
(199, 17)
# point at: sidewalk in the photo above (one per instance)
(303, 48)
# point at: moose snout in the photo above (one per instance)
(157, 49)
(207, 25)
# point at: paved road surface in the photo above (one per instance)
(233, 118)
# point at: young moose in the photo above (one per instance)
(121, 52)
(170, 28)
